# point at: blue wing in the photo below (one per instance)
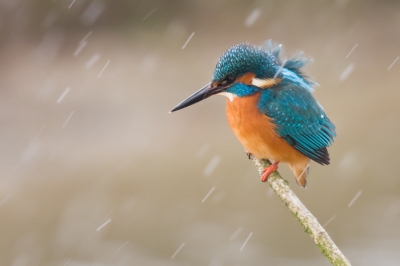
(300, 119)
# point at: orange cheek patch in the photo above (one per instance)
(246, 78)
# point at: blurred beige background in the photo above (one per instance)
(94, 171)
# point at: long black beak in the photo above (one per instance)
(198, 96)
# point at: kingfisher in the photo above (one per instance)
(270, 107)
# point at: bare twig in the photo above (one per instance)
(305, 217)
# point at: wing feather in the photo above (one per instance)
(300, 119)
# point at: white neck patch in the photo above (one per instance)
(229, 95)
(264, 83)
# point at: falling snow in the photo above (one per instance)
(329, 221)
(49, 48)
(73, 1)
(208, 194)
(92, 13)
(355, 198)
(394, 62)
(149, 14)
(67, 261)
(245, 242)
(279, 69)
(212, 165)
(149, 63)
(351, 164)
(122, 246)
(183, 47)
(80, 48)
(177, 251)
(351, 50)
(254, 15)
(101, 72)
(347, 160)
(346, 72)
(302, 173)
(63, 95)
(235, 234)
(81, 45)
(104, 224)
(203, 150)
(92, 60)
(30, 151)
(87, 36)
(66, 121)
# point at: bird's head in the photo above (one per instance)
(242, 70)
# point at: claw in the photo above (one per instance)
(249, 155)
(268, 170)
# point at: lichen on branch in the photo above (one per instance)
(303, 215)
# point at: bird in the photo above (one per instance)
(270, 107)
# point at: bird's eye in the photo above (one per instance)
(228, 80)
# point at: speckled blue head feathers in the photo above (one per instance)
(244, 58)
(264, 61)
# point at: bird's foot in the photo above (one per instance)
(249, 155)
(268, 170)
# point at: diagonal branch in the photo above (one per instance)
(305, 217)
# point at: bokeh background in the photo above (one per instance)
(95, 171)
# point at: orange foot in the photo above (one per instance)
(268, 170)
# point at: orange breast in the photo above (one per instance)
(256, 131)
